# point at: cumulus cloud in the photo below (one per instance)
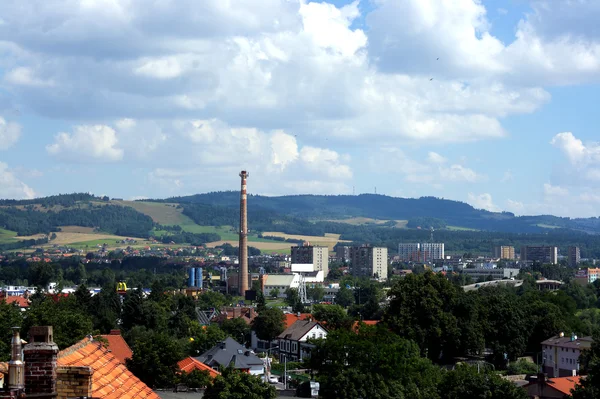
(555, 191)
(9, 133)
(483, 201)
(460, 173)
(575, 150)
(436, 158)
(11, 186)
(87, 142)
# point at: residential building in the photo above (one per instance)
(190, 364)
(409, 252)
(315, 254)
(342, 253)
(421, 252)
(587, 276)
(495, 274)
(504, 252)
(542, 254)
(574, 256)
(561, 354)
(551, 388)
(118, 346)
(369, 262)
(293, 343)
(260, 345)
(230, 352)
(87, 369)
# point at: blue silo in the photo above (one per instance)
(192, 277)
(198, 277)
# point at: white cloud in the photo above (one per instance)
(9, 133)
(284, 149)
(26, 77)
(483, 201)
(516, 207)
(434, 157)
(508, 176)
(460, 173)
(11, 186)
(87, 142)
(575, 150)
(324, 161)
(555, 191)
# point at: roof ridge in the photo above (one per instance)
(75, 347)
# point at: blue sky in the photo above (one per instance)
(140, 99)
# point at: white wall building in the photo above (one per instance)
(317, 255)
(561, 355)
(369, 261)
(293, 341)
(421, 252)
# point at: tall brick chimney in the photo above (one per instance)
(243, 249)
(40, 355)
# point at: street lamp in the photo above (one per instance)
(269, 359)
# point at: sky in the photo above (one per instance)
(490, 102)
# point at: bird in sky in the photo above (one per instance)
(438, 58)
(430, 79)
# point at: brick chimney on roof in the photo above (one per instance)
(115, 332)
(40, 355)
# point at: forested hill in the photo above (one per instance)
(45, 215)
(322, 207)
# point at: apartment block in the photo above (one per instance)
(369, 261)
(574, 256)
(342, 253)
(421, 252)
(504, 252)
(542, 254)
(315, 254)
(495, 274)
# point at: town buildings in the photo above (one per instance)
(342, 253)
(230, 353)
(574, 256)
(421, 252)
(541, 254)
(504, 252)
(494, 274)
(369, 261)
(315, 254)
(587, 276)
(561, 354)
(293, 342)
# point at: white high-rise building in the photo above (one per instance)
(317, 255)
(421, 252)
(369, 261)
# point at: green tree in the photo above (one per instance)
(204, 337)
(106, 308)
(269, 324)
(373, 363)
(10, 316)
(194, 379)
(83, 297)
(344, 297)
(237, 329)
(235, 384)
(421, 308)
(261, 302)
(522, 366)
(211, 299)
(274, 293)
(333, 316)
(133, 309)
(589, 387)
(467, 382)
(41, 274)
(154, 360)
(315, 293)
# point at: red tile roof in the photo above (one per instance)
(118, 346)
(563, 384)
(19, 300)
(291, 318)
(111, 379)
(190, 364)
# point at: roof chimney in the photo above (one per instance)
(16, 368)
(115, 332)
(40, 356)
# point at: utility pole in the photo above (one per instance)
(284, 372)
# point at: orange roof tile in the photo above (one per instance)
(189, 364)
(118, 346)
(19, 300)
(291, 318)
(563, 384)
(111, 379)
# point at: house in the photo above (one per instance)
(551, 388)
(118, 346)
(293, 342)
(561, 354)
(86, 369)
(290, 318)
(230, 352)
(21, 302)
(190, 364)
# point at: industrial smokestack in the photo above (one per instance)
(16, 367)
(243, 276)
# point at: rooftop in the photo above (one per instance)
(299, 329)
(118, 346)
(110, 379)
(190, 364)
(567, 342)
(228, 352)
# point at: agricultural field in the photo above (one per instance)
(458, 228)
(7, 236)
(329, 240)
(361, 221)
(162, 213)
(82, 238)
(266, 246)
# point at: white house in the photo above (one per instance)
(561, 354)
(293, 342)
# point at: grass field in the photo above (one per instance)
(7, 236)
(361, 221)
(162, 213)
(328, 240)
(458, 228)
(72, 238)
(547, 226)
